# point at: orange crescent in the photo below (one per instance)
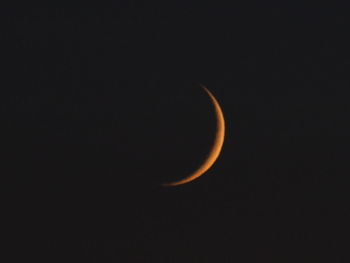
(216, 148)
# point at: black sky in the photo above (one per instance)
(101, 106)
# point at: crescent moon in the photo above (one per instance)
(216, 148)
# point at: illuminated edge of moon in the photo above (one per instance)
(216, 148)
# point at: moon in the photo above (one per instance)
(216, 148)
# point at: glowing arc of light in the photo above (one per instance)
(216, 148)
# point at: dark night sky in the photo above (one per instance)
(101, 106)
